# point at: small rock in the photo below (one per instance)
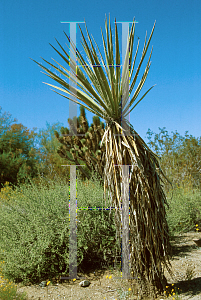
(84, 283)
(42, 284)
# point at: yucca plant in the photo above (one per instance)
(106, 94)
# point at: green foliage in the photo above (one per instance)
(83, 149)
(18, 158)
(50, 162)
(184, 210)
(179, 157)
(180, 160)
(5, 121)
(34, 226)
(9, 291)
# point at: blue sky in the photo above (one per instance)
(27, 28)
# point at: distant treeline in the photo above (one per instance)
(20, 157)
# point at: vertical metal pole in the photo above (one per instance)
(125, 223)
(125, 87)
(73, 225)
(73, 105)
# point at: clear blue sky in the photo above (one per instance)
(27, 28)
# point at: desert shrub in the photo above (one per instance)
(34, 229)
(6, 193)
(184, 210)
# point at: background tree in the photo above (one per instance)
(179, 156)
(26, 154)
(18, 157)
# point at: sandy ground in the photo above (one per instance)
(185, 255)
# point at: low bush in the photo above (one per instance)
(34, 229)
(184, 210)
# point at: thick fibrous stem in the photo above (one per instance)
(149, 236)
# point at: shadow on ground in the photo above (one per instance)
(189, 287)
(179, 249)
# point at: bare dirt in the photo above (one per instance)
(186, 256)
